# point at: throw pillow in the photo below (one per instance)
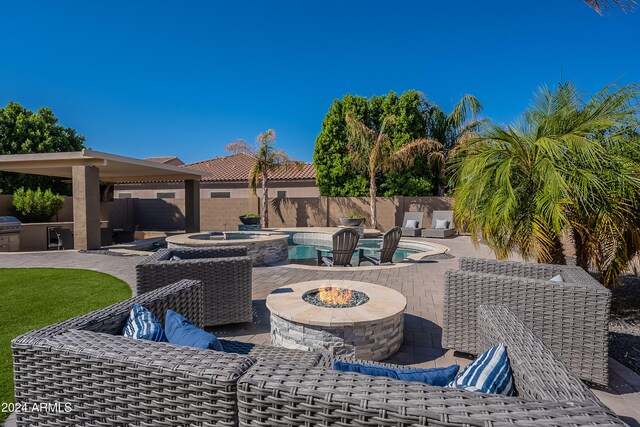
(142, 324)
(412, 223)
(175, 258)
(557, 278)
(431, 376)
(489, 373)
(442, 224)
(182, 332)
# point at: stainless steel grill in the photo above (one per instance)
(10, 224)
(10, 228)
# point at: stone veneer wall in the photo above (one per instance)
(262, 251)
(375, 340)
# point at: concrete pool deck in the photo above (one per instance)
(421, 284)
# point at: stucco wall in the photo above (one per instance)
(222, 214)
(235, 190)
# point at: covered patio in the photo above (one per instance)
(87, 169)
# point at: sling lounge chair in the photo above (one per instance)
(442, 225)
(412, 224)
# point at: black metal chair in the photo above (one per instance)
(390, 242)
(344, 245)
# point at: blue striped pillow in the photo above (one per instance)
(489, 373)
(142, 324)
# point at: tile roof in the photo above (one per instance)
(236, 167)
(167, 160)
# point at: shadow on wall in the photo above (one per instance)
(159, 214)
(300, 212)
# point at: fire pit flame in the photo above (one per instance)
(334, 296)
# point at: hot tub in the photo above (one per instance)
(264, 247)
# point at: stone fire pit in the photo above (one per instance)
(370, 330)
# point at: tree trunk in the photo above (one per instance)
(556, 253)
(265, 201)
(441, 175)
(372, 201)
(582, 256)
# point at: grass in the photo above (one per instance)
(31, 298)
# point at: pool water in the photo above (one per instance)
(308, 252)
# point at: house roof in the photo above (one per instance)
(166, 160)
(236, 167)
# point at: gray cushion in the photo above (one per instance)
(441, 224)
(413, 223)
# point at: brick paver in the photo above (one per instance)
(421, 283)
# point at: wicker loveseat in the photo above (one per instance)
(225, 273)
(570, 317)
(107, 379)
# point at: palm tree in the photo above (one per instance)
(450, 129)
(566, 168)
(267, 160)
(372, 150)
(601, 5)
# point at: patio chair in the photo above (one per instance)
(438, 231)
(390, 242)
(571, 317)
(344, 245)
(408, 230)
(225, 273)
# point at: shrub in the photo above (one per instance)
(36, 206)
(251, 215)
(355, 216)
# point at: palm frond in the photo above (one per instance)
(601, 6)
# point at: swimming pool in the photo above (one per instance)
(304, 252)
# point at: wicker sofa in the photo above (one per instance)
(571, 317)
(548, 394)
(107, 379)
(225, 273)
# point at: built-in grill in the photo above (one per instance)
(10, 228)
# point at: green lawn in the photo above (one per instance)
(31, 298)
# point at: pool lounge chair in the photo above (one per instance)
(344, 245)
(390, 242)
(408, 230)
(444, 217)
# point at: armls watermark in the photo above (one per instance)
(36, 407)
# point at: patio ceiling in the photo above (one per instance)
(113, 168)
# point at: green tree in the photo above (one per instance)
(335, 174)
(23, 132)
(267, 160)
(570, 167)
(374, 151)
(450, 129)
(36, 206)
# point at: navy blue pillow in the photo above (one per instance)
(432, 376)
(182, 332)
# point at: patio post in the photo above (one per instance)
(192, 205)
(86, 207)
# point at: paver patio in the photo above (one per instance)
(422, 284)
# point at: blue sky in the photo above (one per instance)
(152, 78)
